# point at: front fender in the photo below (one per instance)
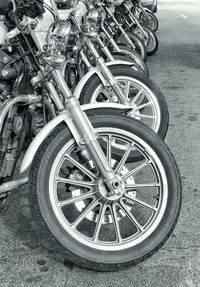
(83, 81)
(64, 117)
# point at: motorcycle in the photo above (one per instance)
(120, 49)
(120, 35)
(130, 23)
(88, 203)
(116, 81)
(146, 17)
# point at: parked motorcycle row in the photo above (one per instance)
(104, 189)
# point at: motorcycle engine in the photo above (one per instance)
(9, 69)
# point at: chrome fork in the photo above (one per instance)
(135, 21)
(105, 49)
(110, 39)
(107, 73)
(88, 137)
(121, 29)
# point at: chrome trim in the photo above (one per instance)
(64, 117)
(42, 135)
(83, 81)
(8, 105)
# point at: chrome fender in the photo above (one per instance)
(147, 10)
(96, 70)
(64, 117)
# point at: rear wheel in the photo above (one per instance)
(69, 201)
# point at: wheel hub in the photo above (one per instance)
(119, 185)
(101, 189)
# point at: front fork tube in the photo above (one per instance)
(86, 61)
(135, 21)
(105, 50)
(107, 74)
(110, 39)
(142, 9)
(85, 129)
(121, 30)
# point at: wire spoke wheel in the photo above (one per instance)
(149, 20)
(147, 101)
(141, 99)
(80, 198)
(149, 38)
(136, 41)
(75, 211)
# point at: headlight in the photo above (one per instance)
(62, 34)
(94, 19)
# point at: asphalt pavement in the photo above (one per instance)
(176, 70)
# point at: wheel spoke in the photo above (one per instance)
(135, 170)
(90, 207)
(147, 116)
(109, 148)
(141, 186)
(139, 202)
(134, 100)
(76, 199)
(116, 223)
(81, 167)
(106, 94)
(99, 222)
(87, 184)
(127, 90)
(124, 159)
(131, 216)
(136, 109)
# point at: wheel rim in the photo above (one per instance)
(138, 45)
(151, 42)
(142, 99)
(121, 223)
(148, 21)
(148, 38)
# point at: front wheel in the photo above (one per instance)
(69, 201)
(134, 41)
(150, 39)
(145, 98)
(149, 20)
(134, 56)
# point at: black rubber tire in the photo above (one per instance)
(57, 237)
(140, 47)
(152, 43)
(94, 82)
(154, 38)
(155, 26)
(118, 56)
(135, 57)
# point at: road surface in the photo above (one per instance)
(176, 70)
